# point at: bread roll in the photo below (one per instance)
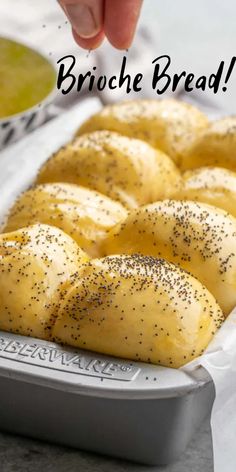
(215, 146)
(198, 237)
(169, 125)
(124, 169)
(82, 213)
(140, 308)
(213, 185)
(37, 266)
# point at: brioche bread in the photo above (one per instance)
(37, 267)
(198, 237)
(140, 308)
(169, 125)
(82, 213)
(127, 170)
(214, 146)
(213, 185)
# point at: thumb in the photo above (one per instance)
(85, 16)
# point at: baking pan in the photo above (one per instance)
(131, 410)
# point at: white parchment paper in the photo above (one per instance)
(220, 362)
(18, 167)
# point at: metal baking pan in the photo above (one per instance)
(131, 410)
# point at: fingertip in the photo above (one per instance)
(119, 42)
(89, 43)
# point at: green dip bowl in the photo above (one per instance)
(27, 88)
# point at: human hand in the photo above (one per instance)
(92, 20)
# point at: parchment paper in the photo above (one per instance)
(18, 167)
(220, 362)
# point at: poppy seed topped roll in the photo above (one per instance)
(37, 267)
(125, 169)
(169, 125)
(214, 146)
(198, 237)
(84, 214)
(213, 185)
(140, 308)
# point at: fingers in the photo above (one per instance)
(86, 17)
(91, 20)
(121, 17)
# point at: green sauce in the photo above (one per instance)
(26, 78)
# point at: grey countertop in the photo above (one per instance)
(26, 455)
